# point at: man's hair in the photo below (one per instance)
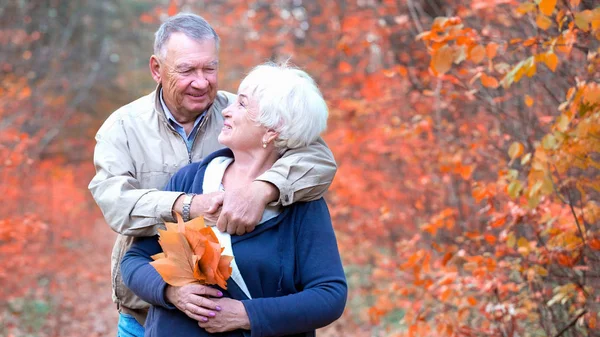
(192, 25)
(289, 102)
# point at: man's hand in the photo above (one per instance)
(243, 208)
(232, 316)
(193, 300)
(207, 205)
(203, 205)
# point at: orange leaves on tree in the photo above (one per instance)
(491, 50)
(547, 6)
(442, 59)
(489, 81)
(345, 67)
(191, 254)
(147, 18)
(477, 53)
(551, 61)
(528, 100)
(515, 150)
(543, 22)
(525, 7)
(172, 9)
(594, 243)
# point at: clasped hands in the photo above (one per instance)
(206, 305)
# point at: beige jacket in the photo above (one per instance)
(136, 153)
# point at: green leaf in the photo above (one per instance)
(549, 142)
(514, 188)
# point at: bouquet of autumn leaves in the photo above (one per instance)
(191, 254)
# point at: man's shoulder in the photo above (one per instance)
(133, 110)
(223, 99)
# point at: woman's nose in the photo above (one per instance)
(225, 112)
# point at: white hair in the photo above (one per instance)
(192, 25)
(289, 102)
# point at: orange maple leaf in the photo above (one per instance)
(191, 254)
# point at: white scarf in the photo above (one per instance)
(213, 177)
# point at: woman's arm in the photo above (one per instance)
(146, 282)
(140, 276)
(319, 272)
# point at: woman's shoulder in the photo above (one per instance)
(310, 213)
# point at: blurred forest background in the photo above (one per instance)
(467, 135)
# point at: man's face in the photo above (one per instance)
(188, 73)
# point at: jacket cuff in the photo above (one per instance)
(286, 192)
(163, 298)
(164, 208)
(255, 326)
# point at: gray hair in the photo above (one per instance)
(289, 102)
(192, 25)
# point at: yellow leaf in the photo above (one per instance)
(515, 150)
(551, 61)
(522, 242)
(540, 270)
(489, 81)
(442, 59)
(511, 240)
(523, 246)
(526, 158)
(549, 142)
(528, 100)
(531, 70)
(583, 19)
(514, 188)
(547, 6)
(525, 7)
(562, 123)
(543, 22)
(477, 53)
(491, 50)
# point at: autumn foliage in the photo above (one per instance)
(467, 136)
(191, 254)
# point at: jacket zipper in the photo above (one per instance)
(189, 151)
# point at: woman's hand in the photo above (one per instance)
(193, 300)
(232, 316)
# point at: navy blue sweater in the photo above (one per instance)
(291, 265)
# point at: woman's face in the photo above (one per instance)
(240, 130)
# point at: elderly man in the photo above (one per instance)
(142, 144)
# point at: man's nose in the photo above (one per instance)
(200, 82)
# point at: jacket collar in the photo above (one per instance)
(163, 116)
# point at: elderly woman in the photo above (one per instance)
(290, 279)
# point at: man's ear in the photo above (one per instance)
(270, 136)
(155, 68)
